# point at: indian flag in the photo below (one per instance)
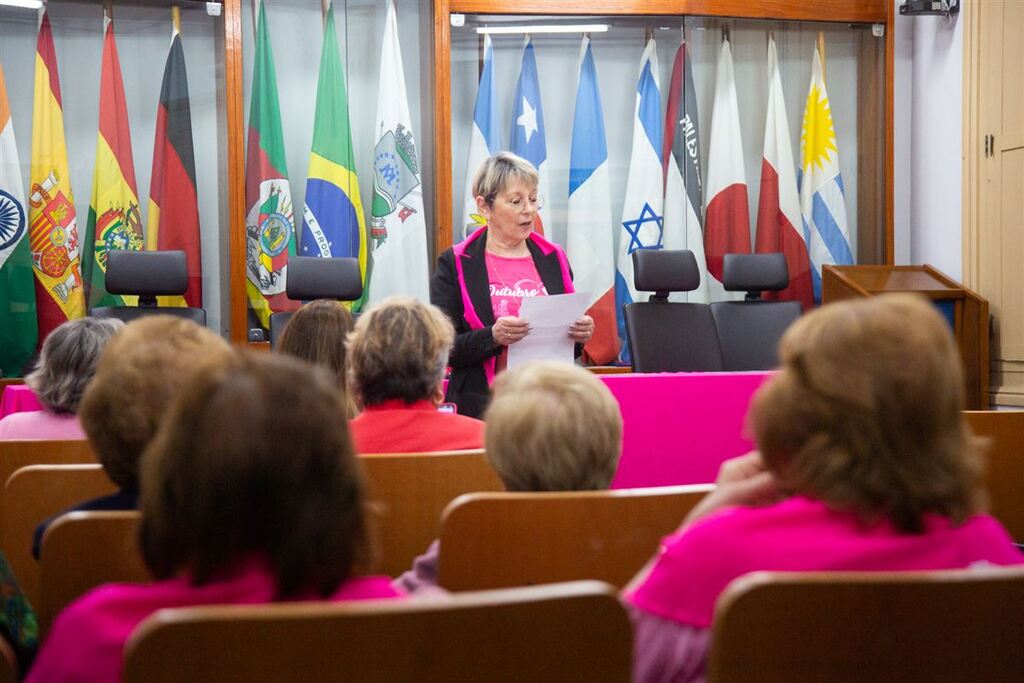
(17, 293)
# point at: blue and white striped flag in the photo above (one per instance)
(641, 226)
(527, 138)
(822, 197)
(485, 140)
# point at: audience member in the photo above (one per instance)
(138, 376)
(316, 333)
(251, 494)
(865, 463)
(66, 364)
(550, 427)
(397, 357)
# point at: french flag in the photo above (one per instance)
(527, 138)
(485, 140)
(590, 233)
(727, 215)
(778, 211)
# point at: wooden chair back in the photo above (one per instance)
(82, 550)
(1004, 464)
(495, 540)
(409, 491)
(574, 631)
(34, 494)
(962, 625)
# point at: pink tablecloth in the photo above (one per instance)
(17, 398)
(679, 427)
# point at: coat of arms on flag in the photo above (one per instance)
(395, 174)
(269, 232)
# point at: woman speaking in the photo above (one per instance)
(481, 282)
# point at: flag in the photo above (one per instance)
(727, 216)
(270, 218)
(527, 139)
(332, 222)
(822, 197)
(684, 201)
(173, 221)
(53, 225)
(18, 332)
(642, 208)
(484, 140)
(590, 235)
(115, 221)
(778, 211)
(397, 225)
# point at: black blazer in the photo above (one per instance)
(467, 386)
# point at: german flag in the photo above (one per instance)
(173, 221)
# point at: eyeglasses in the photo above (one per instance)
(519, 203)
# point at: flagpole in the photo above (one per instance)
(325, 5)
(255, 17)
(821, 52)
(176, 19)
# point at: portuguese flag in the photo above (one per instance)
(17, 293)
(173, 221)
(115, 221)
(270, 220)
(53, 225)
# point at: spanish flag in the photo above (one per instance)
(115, 221)
(53, 226)
(173, 221)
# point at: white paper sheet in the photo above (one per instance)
(549, 318)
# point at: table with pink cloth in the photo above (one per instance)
(17, 398)
(679, 427)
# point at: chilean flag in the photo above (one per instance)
(590, 234)
(527, 138)
(778, 212)
(727, 216)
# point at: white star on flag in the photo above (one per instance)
(528, 120)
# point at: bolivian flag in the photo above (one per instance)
(115, 221)
(173, 221)
(332, 223)
(53, 226)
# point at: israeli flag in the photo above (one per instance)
(527, 138)
(485, 140)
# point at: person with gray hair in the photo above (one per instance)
(65, 367)
(397, 356)
(481, 282)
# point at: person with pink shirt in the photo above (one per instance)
(250, 493)
(865, 463)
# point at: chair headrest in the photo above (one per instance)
(665, 270)
(312, 277)
(755, 272)
(146, 273)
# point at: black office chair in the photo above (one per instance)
(666, 336)
(148, 274)
(312, 277)
(749, 331)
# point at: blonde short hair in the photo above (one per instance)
(865, 413)
(496, 173)
(398, 351)
(553, 427)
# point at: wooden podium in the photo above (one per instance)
(966, 311)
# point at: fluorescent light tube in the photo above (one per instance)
(542, 28)
(27, 4)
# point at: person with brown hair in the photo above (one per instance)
(865, 463)
(140, 372)
(316, 333)
(250, 494)
(398, 352)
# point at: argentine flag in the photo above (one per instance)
(527, 138)
(822, 197)
(590, 233)
(641, 225)
(484, 141)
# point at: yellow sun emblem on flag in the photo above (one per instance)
(818, 137)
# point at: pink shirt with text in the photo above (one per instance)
(511, 280)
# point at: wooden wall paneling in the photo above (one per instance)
(442, 126)
(890, 162)
(234, 89)
(871, 245)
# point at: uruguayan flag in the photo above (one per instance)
(822, 197)
(485, 140)
(527, 139)
(641, 225)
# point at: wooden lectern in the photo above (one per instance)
(967, 312)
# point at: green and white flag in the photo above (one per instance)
(18, 330)
(397, 228)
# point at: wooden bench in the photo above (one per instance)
(962, 625)
(1004, 464)
(495, 540)
(575, 631)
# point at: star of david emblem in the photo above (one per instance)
(633, 227)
